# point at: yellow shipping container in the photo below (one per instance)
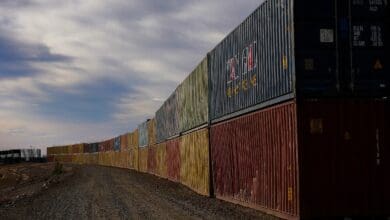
(143, 159)
(152, 131)
(133, 139)
(194, 153)
(161, 163)
(134, 155)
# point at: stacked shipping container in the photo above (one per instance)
(290, 110)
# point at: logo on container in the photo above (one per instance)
(241, 70)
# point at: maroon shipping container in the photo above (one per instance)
(107, 145)
(173, 159)
(306, 160)
(344, 160)
(152, 163)
(254, 160)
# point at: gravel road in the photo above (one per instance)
(96, 192)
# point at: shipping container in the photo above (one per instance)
(194, 164)
(173, 159)
(167, 118)
(143, 134)
(124, 142)
(117, 143)
(133, 148)
(152, 131)
(301, 48)
(151, 160)
(193, 98)
(76, 149)
(315, 159)
(143, 159)
(161, 160)
(133, 139)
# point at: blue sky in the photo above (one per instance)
(86, 70)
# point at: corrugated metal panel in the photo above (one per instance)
(341, 47)
(161, 160)
(124, 142)
(152, 131)
(254, 160)
(78, 149)
(254, 63)
(143, 159)
(167, 118)
(173, 159)
(117, 143)
(342, 152)
(151, 160)
(133, 148)
(134, 155)
(370, 39)
(143, 134)
(194, 164)
(193, 98)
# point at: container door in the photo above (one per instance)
(316, 48)
(369, 22)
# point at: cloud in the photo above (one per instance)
(85, 70)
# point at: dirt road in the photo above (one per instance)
(95, 192)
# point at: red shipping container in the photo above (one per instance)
(173, 159)
(254, 160)
(314, 159)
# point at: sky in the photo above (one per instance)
(87, 70)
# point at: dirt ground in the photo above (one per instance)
(27, 179)
(95, 192)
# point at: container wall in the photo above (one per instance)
(143, 159)
(254, 159)
(173, 160)
(167, 118)
(343, 146)
(254, 63)
(143, 134)
(193, 98)
(152, 131)
(161, 160)
(194, 164)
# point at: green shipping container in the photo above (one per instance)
(193, 98)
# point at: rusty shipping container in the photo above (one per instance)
(193, 98)
(301, 48)
(167, 118)
(315, 159)
(173, 159)
(143, 134)
(152, 131)
(194, 164)
(143, 159)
